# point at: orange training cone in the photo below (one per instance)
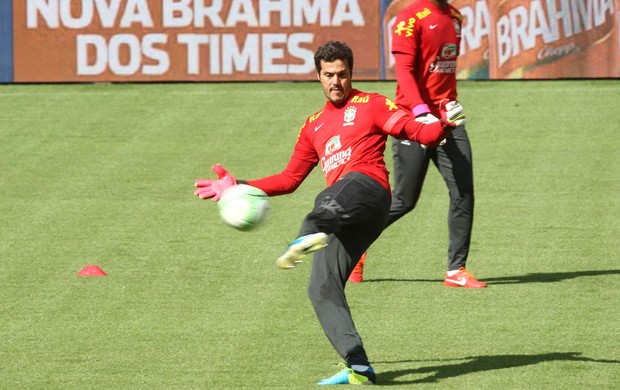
(91, 270)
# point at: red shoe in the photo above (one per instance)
(463, 278)
(356, 275)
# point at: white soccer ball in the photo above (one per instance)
(243, 207)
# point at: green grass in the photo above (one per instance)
(103, 174)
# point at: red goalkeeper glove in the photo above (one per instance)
(452, 114)
(215, 188)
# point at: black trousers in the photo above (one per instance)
(353, 211)
(454, 162)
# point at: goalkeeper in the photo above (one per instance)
(425, 42)
(347, 137)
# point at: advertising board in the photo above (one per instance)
(187, 40)
(274, 40)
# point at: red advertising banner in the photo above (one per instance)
(473, 61)
(617, 71)
(387, 24)
(187, 40)
(275, 40)
(553, 39)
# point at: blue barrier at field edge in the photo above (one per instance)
(6, 42)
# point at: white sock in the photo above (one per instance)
(453, 272)
(359, 368)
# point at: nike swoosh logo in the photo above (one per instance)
(318, 127)
(433, 26)
(460, 282)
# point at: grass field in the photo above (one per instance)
(103, 174)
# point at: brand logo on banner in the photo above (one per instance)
(553, 38)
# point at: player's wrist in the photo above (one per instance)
(421, 109)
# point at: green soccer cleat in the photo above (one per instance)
(299, 248)
(348, 376)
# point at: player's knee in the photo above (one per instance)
(314, 294)
(401, 207)
(465, 195)
(323, 288)
(330, 208)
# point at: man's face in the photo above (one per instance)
(335, 78)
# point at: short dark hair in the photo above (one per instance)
(332, 51)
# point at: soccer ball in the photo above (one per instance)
(243, 207)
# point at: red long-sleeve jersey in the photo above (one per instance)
(348, 138)
(425, 44)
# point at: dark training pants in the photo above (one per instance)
(353, 212)
(454, 162)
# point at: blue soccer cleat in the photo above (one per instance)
(299, 248)
(348, 376)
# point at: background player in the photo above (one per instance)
(347, 138)
(425, 42)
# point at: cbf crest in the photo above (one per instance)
(457, 27)
(349, 116)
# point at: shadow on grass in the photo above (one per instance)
(474, 364)
(541, 277)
